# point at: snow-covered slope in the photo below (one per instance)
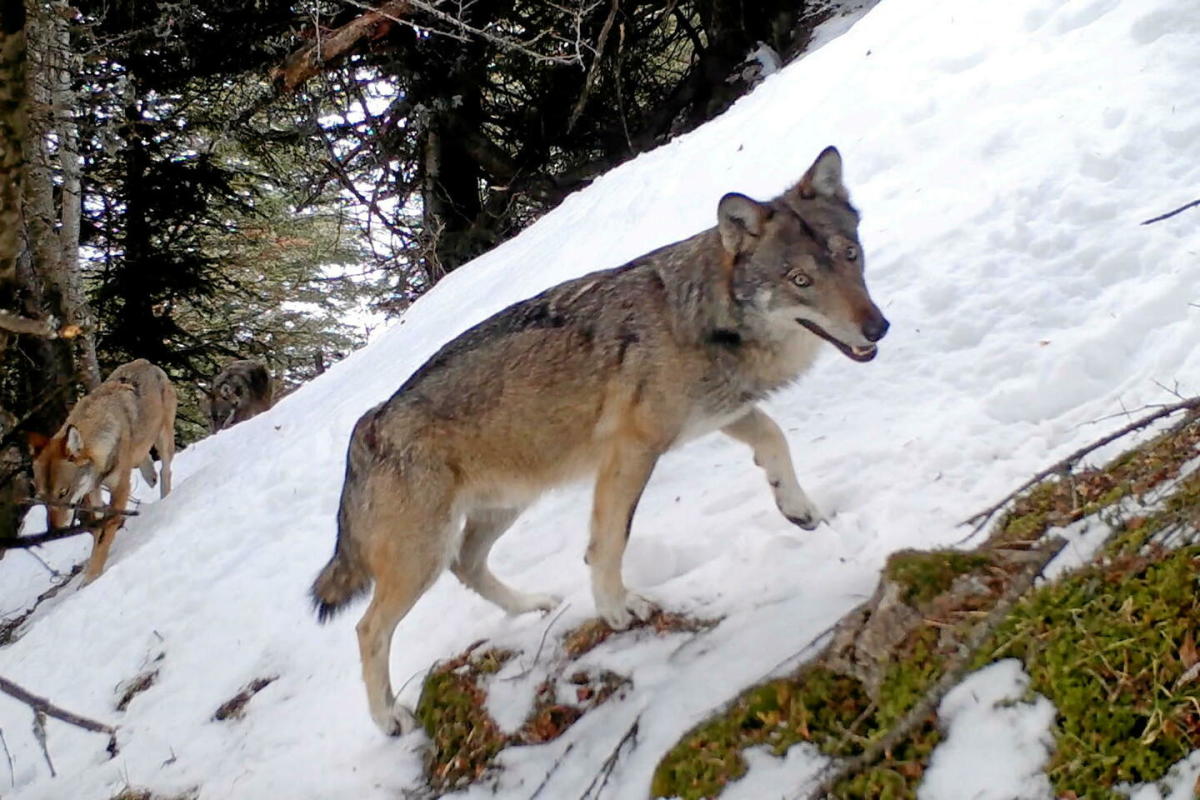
(1002, 154)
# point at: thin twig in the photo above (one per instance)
(12, 776)
(591, 75)
(1170, 214)
(9, 626)
(499, 41)
(39, 733)
(54, 574)
(610, 763)
(1068, 463)
(541, 644)
(553, 768)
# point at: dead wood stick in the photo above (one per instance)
(956, 669)
(1068, 463)
(1170, 214)
(39, 539)
(44, 706)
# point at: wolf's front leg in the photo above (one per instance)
(771, 453)
(624, 469)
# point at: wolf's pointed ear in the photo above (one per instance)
(740, 221)
(73, 444)
(36, 441)
(824, 178)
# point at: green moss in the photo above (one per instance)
(452, 710)
(1107, 646)
(927, 573)
(816, 705)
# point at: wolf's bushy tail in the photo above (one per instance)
(341, 581)
(345, 577)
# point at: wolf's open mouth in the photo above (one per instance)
(856, 353)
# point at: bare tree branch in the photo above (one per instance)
(1068, 463)
(309, 61)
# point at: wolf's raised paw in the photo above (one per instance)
(536, 602)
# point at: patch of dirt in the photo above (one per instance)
(235, 707)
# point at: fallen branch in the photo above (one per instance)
(1170, 214)
(956, 669)
(1068, 463)
(39, 539)
(41, 705)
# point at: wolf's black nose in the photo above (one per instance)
(874, 329)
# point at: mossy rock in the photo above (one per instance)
(925, 574)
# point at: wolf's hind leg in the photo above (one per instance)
(401, 528)
(770, 447)
(397, 589)
(165, 445)
(147, 470)
(482, 530)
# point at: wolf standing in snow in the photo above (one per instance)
(242, 390)
(107, 434)
(599, 375)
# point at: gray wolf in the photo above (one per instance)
(108, 433)
(240, 391)
(599, 376)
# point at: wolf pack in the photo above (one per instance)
(595, 378)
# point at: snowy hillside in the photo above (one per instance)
(1003, 156)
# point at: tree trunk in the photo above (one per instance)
(52, 234)
(13, 127)
(75, 307)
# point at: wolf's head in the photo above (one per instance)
(63, 472)
(798, 262)
(222, 403)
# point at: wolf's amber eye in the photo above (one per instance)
(851, 252)
(800, 279)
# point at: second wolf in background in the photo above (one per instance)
(108, 433)
(599, 375)
(242, 390)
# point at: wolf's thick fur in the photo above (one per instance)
(108, 433)
(602, 374)
(240, 391)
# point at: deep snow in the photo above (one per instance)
(1002, 154)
